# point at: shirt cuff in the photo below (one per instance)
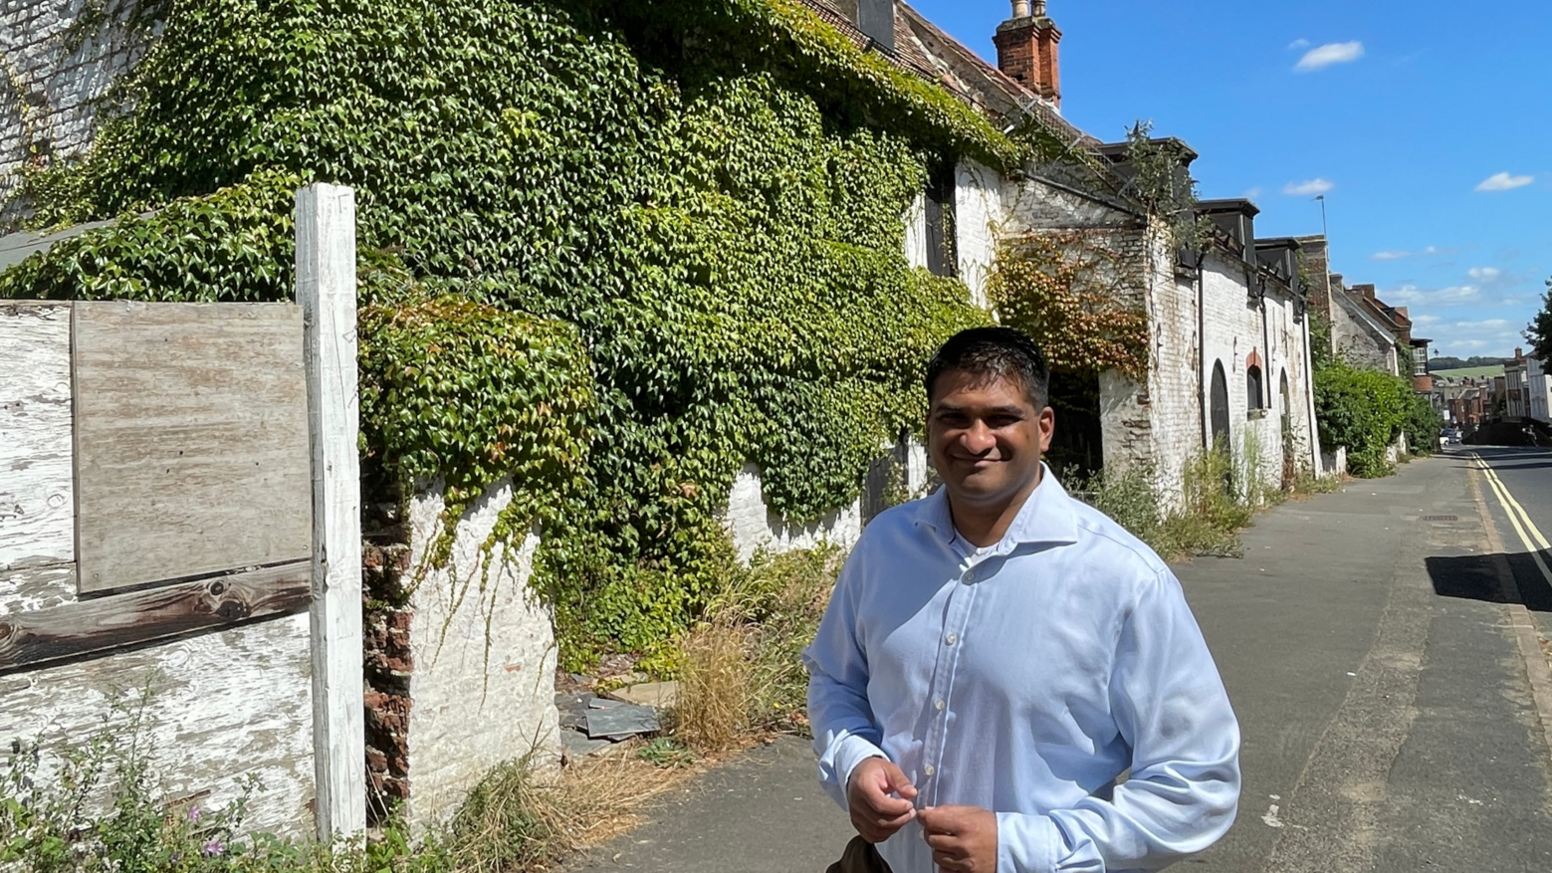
(850, 751)
(1027, 843)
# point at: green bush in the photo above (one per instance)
(1422, 426)
(1364, 410)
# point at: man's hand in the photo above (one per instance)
(875, 812)
(963, 839)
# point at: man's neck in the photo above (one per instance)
(982, 526)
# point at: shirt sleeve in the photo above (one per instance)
(845, 732)
(1171, 709)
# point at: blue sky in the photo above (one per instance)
(1427, 124)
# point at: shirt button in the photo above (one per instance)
(969, 576)
(938, 704)
(951, 639)
(929, 769)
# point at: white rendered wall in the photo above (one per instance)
(483, 684)
(753, 526)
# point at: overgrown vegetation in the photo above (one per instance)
(97, 806)
(1220, 498)
(1070, 293)
(1366, 410)
(742, 668)
(709, 193)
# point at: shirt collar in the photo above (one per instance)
(1046, 518)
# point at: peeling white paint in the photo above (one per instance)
(223, 706)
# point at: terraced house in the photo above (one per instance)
(638, 277)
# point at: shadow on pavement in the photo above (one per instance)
(1475, 577)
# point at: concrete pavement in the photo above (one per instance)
(1388, 713)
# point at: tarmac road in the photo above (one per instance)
(1385, 676)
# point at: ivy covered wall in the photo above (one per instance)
(615, 252)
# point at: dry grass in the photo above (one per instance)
(516, 821)
(711, 713)
(741, 672)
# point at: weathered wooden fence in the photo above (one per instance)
(179, 496)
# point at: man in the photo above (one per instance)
(997, 655)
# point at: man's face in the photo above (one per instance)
(986, 438)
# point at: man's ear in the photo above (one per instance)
(1047, 425)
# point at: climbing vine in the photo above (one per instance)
(614, 252)
(1070, 292)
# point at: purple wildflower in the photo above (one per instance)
(193, 813)
(213, 848)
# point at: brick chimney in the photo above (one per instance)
(1026, 49)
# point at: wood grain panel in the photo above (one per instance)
(37, 507)
(103, 624)
(191, 440)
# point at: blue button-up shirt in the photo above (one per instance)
(1025, 678)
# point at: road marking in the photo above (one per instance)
(1520, 621)
(1519, 519)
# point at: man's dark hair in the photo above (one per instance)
(994, 351)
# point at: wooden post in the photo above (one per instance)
(326, 291)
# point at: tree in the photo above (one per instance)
(1539, 332)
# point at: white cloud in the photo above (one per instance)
(1484, 274)
(1304, 189)
(1490, 336)
(1298, 44)
(1327, 55)
(1390, 256)
(1411, 295)
(1253, 193)
(1505, 182)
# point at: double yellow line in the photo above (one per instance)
(1534, 542)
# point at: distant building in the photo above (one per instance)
(1540, 387)
(1517, 387)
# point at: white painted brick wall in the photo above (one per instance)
(55, 79)
(1174, 379)
(483, 686)
(1233, 331)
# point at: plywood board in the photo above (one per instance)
(103, 624)
(191, 440)
(37, 520)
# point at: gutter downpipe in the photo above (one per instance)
(1201, 348)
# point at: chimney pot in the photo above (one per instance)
(1027, 49)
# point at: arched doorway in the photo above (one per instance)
(1290, 461)
(1219, 405)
